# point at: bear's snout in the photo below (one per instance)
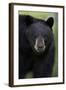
(39, 44)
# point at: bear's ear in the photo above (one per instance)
(28, 20)
(50, 21)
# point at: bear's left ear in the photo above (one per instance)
(50, 21)
(28, 20)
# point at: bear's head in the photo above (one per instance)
(39, 33)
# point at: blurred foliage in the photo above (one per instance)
(45, 15)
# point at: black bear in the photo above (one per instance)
(36, 46)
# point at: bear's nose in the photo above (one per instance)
(40, 45)
(40, 42)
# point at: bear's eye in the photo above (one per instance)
(45, 39)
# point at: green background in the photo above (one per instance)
(45, 15)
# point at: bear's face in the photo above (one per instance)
(39, 35)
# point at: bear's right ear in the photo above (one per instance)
(50, 21)
(28, 20)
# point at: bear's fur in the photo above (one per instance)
(36, 46)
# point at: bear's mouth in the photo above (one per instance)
(40, 49)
